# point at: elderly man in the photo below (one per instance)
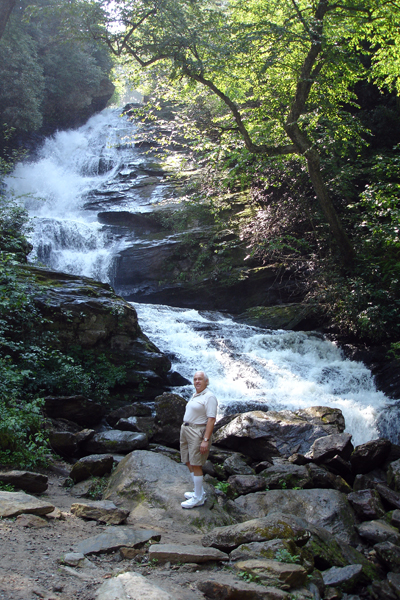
(195, 439)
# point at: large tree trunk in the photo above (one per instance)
(6, 7)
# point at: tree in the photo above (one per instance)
(280, 68)
(6, 8)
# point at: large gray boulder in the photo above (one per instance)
(321, 507)
(370, 455)
(325, 448)
(35, 483)
(169, 411)
(94, 465)
(152, 487)
(262, 435)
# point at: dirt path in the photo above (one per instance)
(30, 566)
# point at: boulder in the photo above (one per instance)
(327, 447)
(169, 411)
(94, 465)
(370, 456)
(378, 531)
(35, 483)
(338, 466)
(78, 409)
(262, 435)
(247, 484)
(185, 554)
(321, 507)
(227, 587)
(131, 586)
(270, 549)
(236, 465)
(137, 425)
(144, 481)
(395, 520)
(389, 555)
(320, 477)
(115, 441)
(286, 475)
(393, 475)
(13, 504)
(366, 504)
(129, 410)
(63, 443)
(389, 496)
(100, 510)
(273, 573)
(257, 530)
(114, 538)
(344, 578)
(331, 418)
(370, 480)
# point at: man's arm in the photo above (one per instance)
(207, 434)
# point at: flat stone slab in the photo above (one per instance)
(187, 554)
(229, 588)
(115, 538)
(131, 586)
(100, 510)
(344, 578)
(13, 504)
(378, 531)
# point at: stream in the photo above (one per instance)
(77, 175)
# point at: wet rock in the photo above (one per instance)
(13, 504)
(187, 554)
(338, 466)
(75, 559)
(131, 586)
(235, 465)
(331, 418)
(319, 477)
(95, 465)
(321, 507)
(344, 578)
(378, 531)
(35, 483)
(100, 510)
(146, 479)
(370, 480)
(366, 504)
(381, 590)
(370, 455)
(393, 475)
(115, 441)
(329, 446)
(227, 587)
(276, 574)
(286, 475)
(395, 520)
(169, 409)
(256, 530)
(262, 435)
(116, 537)
(389, 555)
(247, 484)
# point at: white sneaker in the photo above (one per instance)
(193, 501)
(191, 494)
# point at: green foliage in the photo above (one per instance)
(284, 555)
(6, 487)
(249, 577)
(223, 486)
(97, 487)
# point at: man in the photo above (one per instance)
(195, 440)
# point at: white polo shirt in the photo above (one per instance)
(201, 407)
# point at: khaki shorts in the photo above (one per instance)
(190, 440)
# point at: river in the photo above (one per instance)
(76, 174)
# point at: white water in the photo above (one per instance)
(247, 366)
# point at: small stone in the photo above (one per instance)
(116, 537)
(130, 553)
(73, 559)
(32, 521)
(101, 510)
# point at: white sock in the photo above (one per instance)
(198, 485)
(192, 474)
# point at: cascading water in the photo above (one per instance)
(76, 174)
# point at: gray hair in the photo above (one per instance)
(206, 379)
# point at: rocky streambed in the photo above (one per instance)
(293, 510)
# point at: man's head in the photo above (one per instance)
(200, 381)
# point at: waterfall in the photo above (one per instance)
(78, 173)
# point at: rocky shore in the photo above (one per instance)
(293, 510)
